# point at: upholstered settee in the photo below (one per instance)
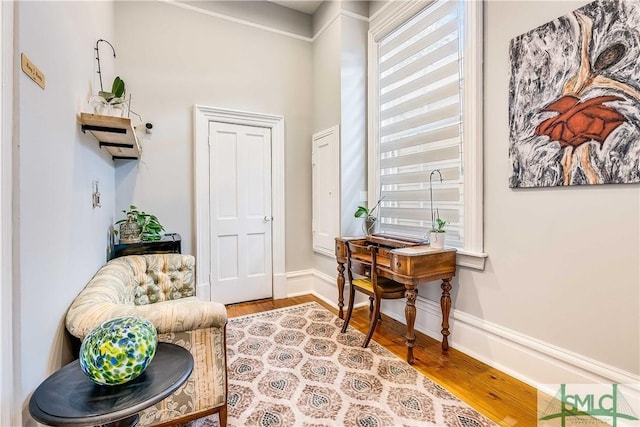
(161, 288)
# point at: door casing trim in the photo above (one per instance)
(10, 380)
(202, 116)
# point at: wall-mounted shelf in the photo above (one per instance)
(115, 134)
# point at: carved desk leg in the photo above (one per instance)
(410, 315)
(341, 289)
(445, 305)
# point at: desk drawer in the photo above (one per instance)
(431, 264)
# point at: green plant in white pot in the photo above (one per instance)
(438, 233)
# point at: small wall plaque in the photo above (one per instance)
(32, 71)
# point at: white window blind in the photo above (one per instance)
(420, 123)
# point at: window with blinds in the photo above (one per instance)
(420, 124)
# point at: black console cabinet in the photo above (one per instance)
(170, 243)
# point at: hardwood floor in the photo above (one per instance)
(498, 396)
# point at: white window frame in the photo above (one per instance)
(392, 15)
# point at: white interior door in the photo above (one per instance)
(240, 207)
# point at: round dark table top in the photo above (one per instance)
(69, 397)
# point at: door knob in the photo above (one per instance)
(267, 218)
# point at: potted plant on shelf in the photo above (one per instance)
(111, 103)
(369, 219)
(139, 225)
(438, 233)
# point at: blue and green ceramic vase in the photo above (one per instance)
(118, 350)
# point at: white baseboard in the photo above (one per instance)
(299, 282)
(530, 360)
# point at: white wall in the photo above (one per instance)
(551, 272)
(339, 80)
(173, 58)
(326, 78)
(62, 239)
(353, 130)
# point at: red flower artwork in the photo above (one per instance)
(580, 122)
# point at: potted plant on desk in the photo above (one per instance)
(139, 225)
(369, 219)
(438, 233)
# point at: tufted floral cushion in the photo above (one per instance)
(161, 278)
(157, 287)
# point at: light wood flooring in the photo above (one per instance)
(498, 396)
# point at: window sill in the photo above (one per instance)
(474, 260)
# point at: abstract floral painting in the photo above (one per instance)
(574, 98)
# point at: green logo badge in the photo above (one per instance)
(586, 404)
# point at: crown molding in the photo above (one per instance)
(341, 12)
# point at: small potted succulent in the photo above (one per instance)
(138, 225)
(438, 233)
(369, 219)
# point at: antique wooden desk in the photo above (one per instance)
(408, 262)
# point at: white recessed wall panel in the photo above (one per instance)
(227, 259)
(324, 155)
(256, 248)
(226, 185)
(326, 189)
(256, 173)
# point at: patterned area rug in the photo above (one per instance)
(293, 367)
